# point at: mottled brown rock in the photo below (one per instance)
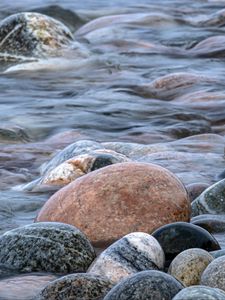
(108, 203)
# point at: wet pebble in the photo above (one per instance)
(212, 223)
(76, 286)
(133, 253)
(211, 201)
(214, 274)
(218, 253)
(188, 266)
(195, 189)
(177, 237)
(50, 247)
(200, 293)
(151, 285)
(113, 201)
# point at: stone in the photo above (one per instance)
(80, 165)
(214, 274)
(151, 285)
(212, 223)
(200, 293)
(217, 253)
(211, 201)
(195, 189)
(48, 247)
(135, 252)
(32, 35)
(24, 287)
(76, 286)
(111, 202)
(188, 266)
(177, 237)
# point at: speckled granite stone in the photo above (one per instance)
(133, 253)
(188, 266)
(113, 201)
(79, 286)
(211, 201)
(146, 285)
(200, 293)
(177, 237)
(32, 35)
(214, 274)
(51, 247)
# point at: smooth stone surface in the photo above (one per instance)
(200, 293)
(24, 287)
(108, 203)
(32, 35)
(146, 285)
(76, 286)
(50, 247)
(218, 253)
(214, 274)
(135, 252)
(188, 266)
(211, 201)
(212, 223)
(177, 237)
(195, 189)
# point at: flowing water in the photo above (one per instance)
(153, 76)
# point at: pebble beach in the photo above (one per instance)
(112, 150)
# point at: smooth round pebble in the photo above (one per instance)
(217, 253)
(195, 189)
(76, 286)
(200, 293)
(113, 201)
(188, 266)
(211, 201)
(214, 274)
(177, 237)
(135, 252)
(212, 223)
(50, 247)
(146, 285)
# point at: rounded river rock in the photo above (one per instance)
(51, 247)
(200, 293)
(113, 201)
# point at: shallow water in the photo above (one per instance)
(119, 93)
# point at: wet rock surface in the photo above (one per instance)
(50, 247)
(152, 285)
(76, 286)
(173, 239)
(200, 293)
(133, 253)
(113, 201)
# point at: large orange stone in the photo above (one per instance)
(113, 201)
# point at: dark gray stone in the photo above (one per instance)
(146, 285)
(50, 247)
(211, 201)
(32, 35)
(79, 286)
(200, 293)
(212, 223)
(177, 237)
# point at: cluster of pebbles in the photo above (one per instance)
(116, 228)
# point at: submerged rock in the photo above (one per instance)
(50, 247)
(32, 35)
(108, 203)
(151, 285)
(188, 266)
(211, 201)
(76, 286)
(135, 252)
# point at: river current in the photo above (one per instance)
(154, 76)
